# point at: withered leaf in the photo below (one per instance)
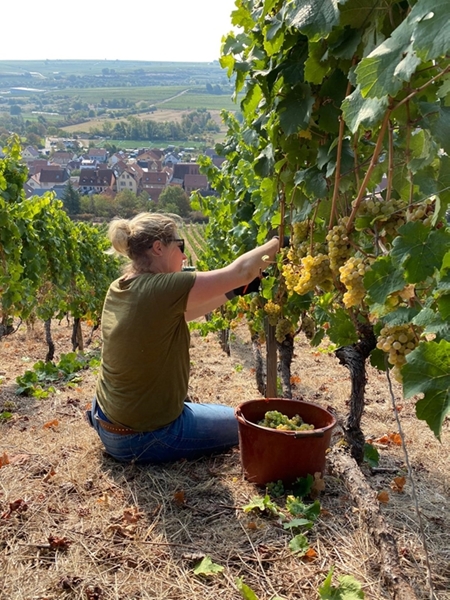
(51, 424)
(179, 497)
(398, 483)
(4, 460)
(94, 592)
(57, 543)
(383, 497)
(69, 582)
(19, 506)
(131, 515)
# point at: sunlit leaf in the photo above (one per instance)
(207, 567)
(419, 250)
(427, 372)
(299, 545)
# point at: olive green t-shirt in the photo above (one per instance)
(143, 379)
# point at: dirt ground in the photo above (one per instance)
(75, 524)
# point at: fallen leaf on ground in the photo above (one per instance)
(179, 497)
(131, 515)
(51, 424)
(57, 543)
(19, 506)
(398, 483)
(383, 497)
(4, 460)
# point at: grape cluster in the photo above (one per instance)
(284, 327)
(352, 274)
(315, 271)
(299, 245)
(273, 311)
(338, 244)
(388, 214)
(276, 420)
(397, 341)
(421, 212)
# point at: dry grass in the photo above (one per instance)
(128, 532)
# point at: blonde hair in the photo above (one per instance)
(133, 237)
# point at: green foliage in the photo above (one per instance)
(427, 372)
(264, 505)
(343, 143)
(49, 265)
(38, 382)
(348, 589)
(371, 455)
(174, 199)
(207, 567)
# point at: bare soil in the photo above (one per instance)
(76, 524)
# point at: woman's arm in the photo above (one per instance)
(201, 311)
(210, 287)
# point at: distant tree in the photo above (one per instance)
(15, 110)
(174, 199)
(71, 200)
(34, 140)
(126, 204)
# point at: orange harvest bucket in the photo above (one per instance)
(268, 455)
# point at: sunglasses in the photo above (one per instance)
(179, 242)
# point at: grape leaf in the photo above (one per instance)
(367, 112)
(431, 28)
(349, 588)
(299, 545)
(207, 567)
(295, 109)
(246, 592)
(432, 323)
(427, 372)
(419, 251)
(315, 18)
(382, 279)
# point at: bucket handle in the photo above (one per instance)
(316, 433)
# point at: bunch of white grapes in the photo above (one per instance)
(284, 327)
(338, 244)
(277, 420)
(389, 215)
(421, 212)
(291, 275)
(315, 271)
(273, 311)
(299, 244)
(352, 275)
(397, 341)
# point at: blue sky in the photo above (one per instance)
(175, 30)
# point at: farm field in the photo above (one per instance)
(129, 531)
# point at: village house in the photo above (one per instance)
(48, 178)
(96, 181)
(30, 153)
(35, 166)
(128, 177)
(153, 182)
(100, 155)
(61, 158)
(192, 183)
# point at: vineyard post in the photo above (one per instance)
(271, 358)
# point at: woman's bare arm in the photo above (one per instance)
(210, 287)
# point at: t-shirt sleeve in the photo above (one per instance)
(170, 290)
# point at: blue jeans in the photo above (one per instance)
(201, 429)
